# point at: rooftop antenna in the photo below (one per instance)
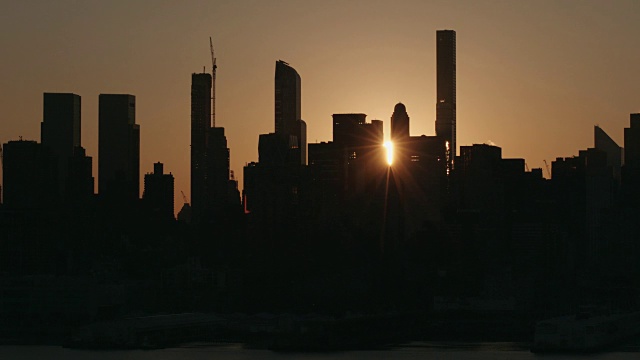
(213, 84)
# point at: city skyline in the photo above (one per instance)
(535, 96)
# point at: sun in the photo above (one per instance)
(389, 146)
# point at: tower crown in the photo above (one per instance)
(400, 108)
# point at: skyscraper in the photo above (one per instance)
(288, 122)
(400, 133)
(209, 154)
(399, 124)
(60, 131)
(118, 147)
(200, 125)
(446, 91)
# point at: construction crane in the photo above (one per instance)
(546, 165)
(184, 197)
(213, 84)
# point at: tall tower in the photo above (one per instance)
(118, 147)
(399, 124)
(288, 122)
(446, 91)
(200, 125)
(60, 131)
(400, 133)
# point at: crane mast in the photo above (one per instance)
(213, 84)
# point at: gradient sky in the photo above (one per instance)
(533, 77)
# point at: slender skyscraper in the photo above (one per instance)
(209, 153)
(446, 91)
(200, 125)
(118, 147)
(289, 124)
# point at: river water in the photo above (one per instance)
(412, 351)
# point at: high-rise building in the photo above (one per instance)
(158, 192)
(118, 147)
(288, 122)
(446, 91)
(209, 154)
(399, 124)
(60, 131)
(200, 125)
(400, 133)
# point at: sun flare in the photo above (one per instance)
(389, 146)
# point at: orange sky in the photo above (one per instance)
(533, 76)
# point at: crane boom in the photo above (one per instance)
(213, 84)
(546, 165)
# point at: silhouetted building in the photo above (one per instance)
(584, 190)
(200, 125)
(158, 192)
(118, 147)
(288, 122)
(272, 186)
(60, 132)
(632, 142)
(29, 175)
(324, 162)
(478, 173)
(400, 133)
(631, 168)
(79, 181)
(271, 199)
(217, 170)
(360, 151)
(418, 173)
(272, 149)
(446, 90)
(209, 155)
(603, 142)
(399, 124)
(184, 214)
